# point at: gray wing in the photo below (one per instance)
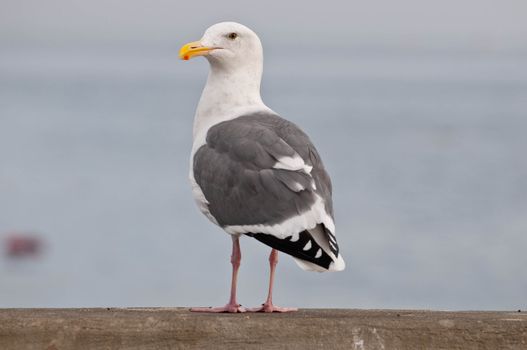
(238, 170)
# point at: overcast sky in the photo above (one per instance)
(490, 23)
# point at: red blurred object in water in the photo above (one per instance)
(20, 245)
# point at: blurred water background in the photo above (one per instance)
(426, 144)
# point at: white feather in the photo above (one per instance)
(338, 265)
(294, 163)
(298, 187)
(200, 199)
(305, 221)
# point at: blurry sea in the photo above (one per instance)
(427, 150)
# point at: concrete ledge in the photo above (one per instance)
(177, 328)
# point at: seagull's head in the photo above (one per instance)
(226, 44)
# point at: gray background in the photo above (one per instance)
(417, 107)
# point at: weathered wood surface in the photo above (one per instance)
(177, 328)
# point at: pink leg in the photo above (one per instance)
(268, 305)
(232, 305)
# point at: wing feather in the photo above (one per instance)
(261, 175)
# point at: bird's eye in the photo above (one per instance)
(232, 36)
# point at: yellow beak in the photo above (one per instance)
(193, 49)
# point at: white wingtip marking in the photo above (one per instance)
(338, 265)
(308, 266)
(319, 253)
(308, 245)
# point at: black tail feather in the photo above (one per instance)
(296, 248)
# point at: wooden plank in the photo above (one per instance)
(177, 328)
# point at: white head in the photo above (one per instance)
(233, 86)
(228, 45)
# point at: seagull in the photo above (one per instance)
(252, 172)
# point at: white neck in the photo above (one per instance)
(229, 93)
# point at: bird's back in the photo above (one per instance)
(262, 176)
